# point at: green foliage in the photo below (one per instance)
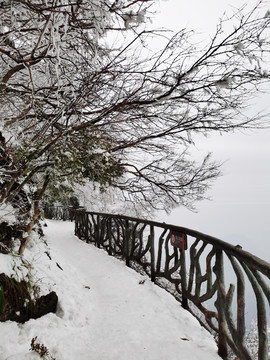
(63, 199)
(5, 4)
(74, 202)
(74, 112)
(14, 296)
(18, 292)
(100, 168)
(57, 192)
(81, 157)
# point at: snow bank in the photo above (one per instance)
(105, 310)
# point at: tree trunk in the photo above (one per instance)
(31, 224)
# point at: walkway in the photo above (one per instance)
(106, 310)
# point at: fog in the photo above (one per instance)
(239, 210)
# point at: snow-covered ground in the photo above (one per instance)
(106, 311)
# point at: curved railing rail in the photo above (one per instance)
(212, 279)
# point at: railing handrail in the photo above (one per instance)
(194, 274)
(236, 250)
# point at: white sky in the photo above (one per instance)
(239, 211)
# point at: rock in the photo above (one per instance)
(16, 303)
(45, 304)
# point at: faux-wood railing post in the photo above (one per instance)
(219, 271)
(126, 242)
(84, 218)
(125, 236)
(76, 224)
(152, 253)
(97, 231)
(109, 229)
(183, 275)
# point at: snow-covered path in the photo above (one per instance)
(104, 312)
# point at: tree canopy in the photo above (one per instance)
(85, 98)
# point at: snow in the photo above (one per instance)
(106, 311)
(223, 83)
(133, 18)
(7, 213)
(267, 14)
(5, 265)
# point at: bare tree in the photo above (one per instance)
(74, 106)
